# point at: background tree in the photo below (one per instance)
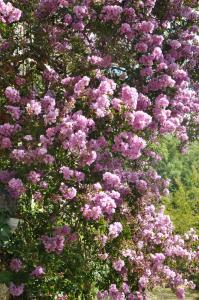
(183, 170)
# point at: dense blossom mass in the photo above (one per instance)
(87, 89)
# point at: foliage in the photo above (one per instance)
(177, 163)
(183, 206)
(183, 170)
(86, 91)
(5, 231)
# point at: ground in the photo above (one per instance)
(166, 294)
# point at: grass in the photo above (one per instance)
(166, 294)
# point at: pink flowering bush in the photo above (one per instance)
(87, 89)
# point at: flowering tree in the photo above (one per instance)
(87, 88)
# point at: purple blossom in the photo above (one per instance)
(129, 97)
(81, 85)
(146, 27)
(111, 180)
(16, 187)
(115, 229)
(14, 111)
(68, 192)
(141, 120)
(80, 11)
(16, 290)
(129, 145)
(67, 172)
(53, 244)
(118, 265)
(16, 265)
(5, 143)
(111, 12)
(12, 94)
(33, 107)
(9, 13)
(180, 293)
(34, 177)
(38, 272)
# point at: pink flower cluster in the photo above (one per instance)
(101, 203)
(111, 12)
(16, 290)
(8, 13)
(139, 120)
(129, 97)
(115, 229)
(53, 244)
(38, 272)
(16, 265)
(72, 174)
(61, 237)
(129, 145)
(16, 187)
(101, 95)
(12, 94)
(68, 192)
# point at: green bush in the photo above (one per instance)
(183, 170)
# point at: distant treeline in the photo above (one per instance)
(183, 169)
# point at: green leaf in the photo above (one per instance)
(6, 277)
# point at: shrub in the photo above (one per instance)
(86, 91)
